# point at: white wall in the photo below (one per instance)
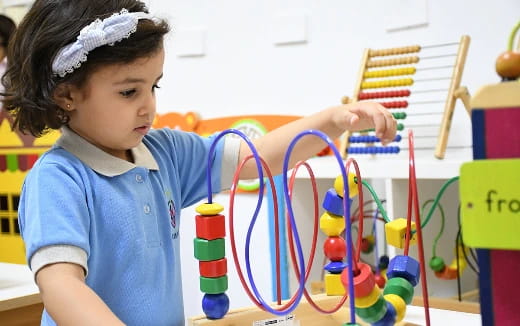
(242, 71)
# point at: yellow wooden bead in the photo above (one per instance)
(209, 209)
(352, 186)
(396, 233)
(332, 225)
(369, 300)
(399, 305)
(333, 285)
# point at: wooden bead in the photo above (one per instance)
(437, 264)
(213, 268)
(380, 280)
(352, 186)
(213, 285)
(335, 248)
(401, 287)
(368, 300)
(333, 285)
(389, 317)
(405, 267)
(447, 273)
(332, 225)
(396, 233)
(209, 249)
(373, 313)
(335, 267)
(333, 203)
(209, 209)
(364, 282)
(399, 305)
(210, 227)
(215, 306)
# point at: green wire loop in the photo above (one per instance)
(443, 218)
(432, 209)
(511, 41)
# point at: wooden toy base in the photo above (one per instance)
(308, 316)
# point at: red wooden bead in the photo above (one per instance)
(380, 281)
(210, 227)
(447, 273)
(335, 248)
(213, 268)
(364, 282)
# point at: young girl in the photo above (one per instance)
(95, 211)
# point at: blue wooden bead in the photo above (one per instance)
(405, 267)
(333, 203)
(389, 318)
(215, 306)
(383, 262)
(335, 267)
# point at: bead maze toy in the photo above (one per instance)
(18, 153)
(395, 86)
(347, 276)
(489, 192)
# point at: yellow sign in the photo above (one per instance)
(490, 203)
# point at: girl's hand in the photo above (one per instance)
(366, 115)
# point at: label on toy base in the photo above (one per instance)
(288, 320)
(490, 203)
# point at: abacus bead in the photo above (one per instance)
(374, 312)
(389, 318)
(332, 225)
(368, 300)
(208, 209)
(399, 305)
(405, 267)
(437, 264)
(333, 203)
(215, 306)
(364, 282)
(401, 287)
(335, 267)
(352, 186)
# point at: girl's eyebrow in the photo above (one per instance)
(130, 80)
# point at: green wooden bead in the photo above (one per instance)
(373, 313)
(206, 250)
(437, 264)
(214, 285)
(400, 287)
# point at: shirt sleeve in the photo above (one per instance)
(53, 216)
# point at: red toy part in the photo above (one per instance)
(210, 227)
(364, 282)
(335, 248)
(213, 268)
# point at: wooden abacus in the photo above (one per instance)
(395, 85)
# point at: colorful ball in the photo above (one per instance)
(352, 186)
(437, 264)
(215, 306)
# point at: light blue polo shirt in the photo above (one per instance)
(120, 220)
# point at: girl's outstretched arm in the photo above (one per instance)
(69, 300)
(332, 121)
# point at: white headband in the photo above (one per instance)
(98, 33)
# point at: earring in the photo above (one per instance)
(68, 106)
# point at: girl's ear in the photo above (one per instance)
(63, 96)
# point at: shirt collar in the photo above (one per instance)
(100, 161)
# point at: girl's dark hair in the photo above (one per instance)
(7, 27)
(47, 27)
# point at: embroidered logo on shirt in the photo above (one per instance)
(171, 209)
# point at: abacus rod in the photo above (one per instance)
(433, 90)
(431, 79)
(435, 67)
(426, 102)
(430, 46)
(438, 56)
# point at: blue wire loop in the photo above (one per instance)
(290, 212)
(346, 210)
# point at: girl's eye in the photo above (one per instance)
(128, 93)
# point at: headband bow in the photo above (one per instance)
(98, 33)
